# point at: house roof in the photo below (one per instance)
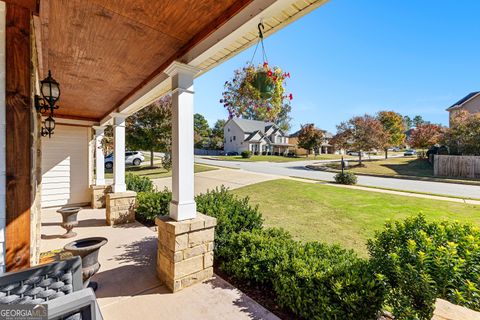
(460, 102)
(251, 126)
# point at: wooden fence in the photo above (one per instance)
(457, 166)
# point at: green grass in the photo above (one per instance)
(157, 172)
(280, 158)
(406, 166)
(316, 212)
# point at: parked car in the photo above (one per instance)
(356, 153)
(229, 153)
(410, 152)
(131, 158)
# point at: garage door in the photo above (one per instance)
(65, 167)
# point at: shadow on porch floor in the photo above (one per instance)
(128, 286)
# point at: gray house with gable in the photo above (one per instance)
(257, 136)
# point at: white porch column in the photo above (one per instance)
(99, 156)
(119, 153)
(183, 204)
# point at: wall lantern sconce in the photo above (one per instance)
(50, 90)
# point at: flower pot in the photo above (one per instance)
(263, 84)
(69, 220)
(87, 249)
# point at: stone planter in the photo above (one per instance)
(69, 220)
(87, 249)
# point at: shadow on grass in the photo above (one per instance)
(417, 167)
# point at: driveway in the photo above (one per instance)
(209, 180)
(297, 169)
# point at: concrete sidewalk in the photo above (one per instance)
(230, 178)
(128, 286)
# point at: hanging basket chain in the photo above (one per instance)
(260, 27)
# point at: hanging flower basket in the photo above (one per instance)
(257, 92)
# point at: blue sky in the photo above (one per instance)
(351, 57)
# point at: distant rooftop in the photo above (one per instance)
(463, 100)
(250, 126)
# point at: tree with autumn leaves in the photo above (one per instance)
(463, 136)
(309, 137)
(360, 134)
(426, 135)
(394, 126)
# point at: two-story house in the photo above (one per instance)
(257, 136)
(470, 103)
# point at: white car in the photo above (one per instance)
(131, 158)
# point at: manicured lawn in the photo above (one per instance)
(312, 211)
(280, 158)
(158, 172)
(407, 166)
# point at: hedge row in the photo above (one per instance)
(411, 262)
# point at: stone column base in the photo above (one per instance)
(185, 250)
(120, 207)
(98, 195)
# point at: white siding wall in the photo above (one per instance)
(232, 130)
(2, 138)
(65, 177)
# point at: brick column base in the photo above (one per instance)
(98, 195)
(185, 250)
(120, 207)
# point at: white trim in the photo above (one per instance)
(99, 156)
(119, 153)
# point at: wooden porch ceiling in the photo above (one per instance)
(102, 51)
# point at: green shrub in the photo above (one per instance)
(246, 154)
(422, 261)
(346, 178)
(319, 281)
(253, 256)
(233, 215)
(138, 184)
(152, 204)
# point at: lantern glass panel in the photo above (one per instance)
(50, 123)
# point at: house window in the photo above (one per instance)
(228, 129)
(230, 139)
(234, 138)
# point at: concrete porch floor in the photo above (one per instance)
(128, 286)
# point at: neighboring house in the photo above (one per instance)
(256, 136)
(325, 148)
(470, 103)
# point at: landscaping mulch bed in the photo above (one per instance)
(262, 295)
